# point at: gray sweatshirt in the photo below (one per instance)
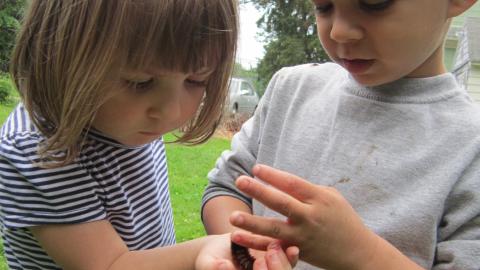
(405, 155)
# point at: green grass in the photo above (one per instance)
(5, 109)
(188, 167)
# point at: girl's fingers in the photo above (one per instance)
(271, 227)
(291, 184)
(276, 258)
(260, 264)
(225, 265)
(273, 198)
(250, 240)
(293, 255)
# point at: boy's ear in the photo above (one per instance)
(457, 7)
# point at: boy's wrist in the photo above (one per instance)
(383, 255)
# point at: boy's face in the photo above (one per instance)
(144, 105)
(379, 41)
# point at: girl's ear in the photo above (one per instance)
(457, 7)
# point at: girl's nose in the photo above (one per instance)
(345, 30)
(166, 105)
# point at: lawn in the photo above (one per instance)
(188, 168)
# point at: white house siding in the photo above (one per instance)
(474, 82)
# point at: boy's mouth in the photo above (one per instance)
(356, 66)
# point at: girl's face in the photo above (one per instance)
(144, 105)
(379, 41)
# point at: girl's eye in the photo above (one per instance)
(141, 85)
(375, 5)
(323, 9)
(196, 83)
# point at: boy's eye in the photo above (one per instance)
(375, 5)
(323, 8)
(140, 85)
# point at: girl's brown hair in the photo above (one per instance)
(66, 48)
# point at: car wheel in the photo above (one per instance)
(235, 109)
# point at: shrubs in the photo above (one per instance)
(6, 89)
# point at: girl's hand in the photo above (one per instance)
(216, 255)
(276, 258)
(319, 221)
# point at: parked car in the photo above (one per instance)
(242, 99)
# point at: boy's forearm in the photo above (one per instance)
(386, 256)
(217, 211)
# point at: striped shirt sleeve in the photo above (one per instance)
(31, 195)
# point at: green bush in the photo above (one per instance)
(7, 91)
(4, 91)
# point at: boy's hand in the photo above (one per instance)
(319, 221)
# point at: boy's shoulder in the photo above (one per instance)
(308, 77)
(313, 70)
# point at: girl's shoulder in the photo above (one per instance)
(18, 135)
(19, 125)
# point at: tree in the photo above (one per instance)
(290, 33)
(10, 14)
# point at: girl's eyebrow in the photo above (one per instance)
(204, 72)
(163, 72)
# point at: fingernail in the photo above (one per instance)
(256, 169)
(242, 182)
(237, 218)
(296, 251)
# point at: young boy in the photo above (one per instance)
(388, 139)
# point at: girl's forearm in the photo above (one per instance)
(180, 256)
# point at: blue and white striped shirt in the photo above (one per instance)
(127, 186)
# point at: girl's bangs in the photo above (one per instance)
(180, 35)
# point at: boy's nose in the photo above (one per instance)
(344, 30)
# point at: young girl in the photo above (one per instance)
(82, 163)
(376, 157)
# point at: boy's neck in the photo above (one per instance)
(433, 66)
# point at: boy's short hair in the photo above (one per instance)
(66, 49)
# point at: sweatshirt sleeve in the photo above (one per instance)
(241, 157)
(458, 245)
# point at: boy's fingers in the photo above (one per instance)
(286, 182)
(250, 240)
(273, 198)
(271, 227)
